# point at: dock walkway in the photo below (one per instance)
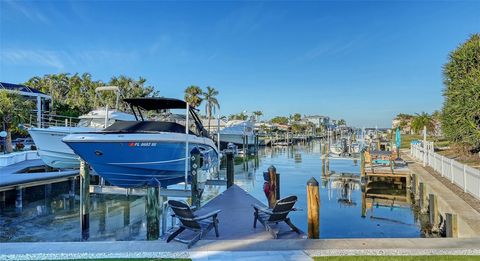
(236, 218)
(10, 178)
(448, 201)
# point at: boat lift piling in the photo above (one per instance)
(194, 166)
(230, 168)
(84, 200)
(152, 210)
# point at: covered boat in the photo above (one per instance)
(131, 154)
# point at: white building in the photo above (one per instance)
(318, 120)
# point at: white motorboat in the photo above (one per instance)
(238, 132)
(57, 154)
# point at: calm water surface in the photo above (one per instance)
(123, 218)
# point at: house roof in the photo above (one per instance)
(18, 87)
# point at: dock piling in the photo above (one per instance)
(71, 193)
(451, 225)
(422, 201)
(230, 168)
(152, 209)
(84, 200)
(194, 166)
(433, 211)
(272, 196)
(313, 204)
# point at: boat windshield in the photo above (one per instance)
(98, 123)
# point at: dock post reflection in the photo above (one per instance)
(48, 199)
(71, 193)
(102, 213)
(126, 212)
(19, 200)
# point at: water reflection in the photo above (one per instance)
(349, 209)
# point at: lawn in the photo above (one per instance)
(395, 258)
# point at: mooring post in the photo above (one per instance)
(152, 209)
(433, 211)
(362, 163)
(84, 200)
(19, 199)
(272, 196)
(422, 201)
(451, 225)
(313, 204)
(194, 166)
(230, 168)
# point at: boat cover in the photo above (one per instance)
(145, 126)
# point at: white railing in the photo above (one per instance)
(460, 174)
(50, 120)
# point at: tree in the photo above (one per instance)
(193, 95)
(461, 108)
(239, 116)
(280, 120)
(297, 117)
(423, 120)
(298, 128)
(341, 122)
(14, 109)
(211, 102)
(75, 95)
(257, 114)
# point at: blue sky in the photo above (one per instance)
(364, 61)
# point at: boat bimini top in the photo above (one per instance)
(157, 104)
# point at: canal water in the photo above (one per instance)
(346, 210)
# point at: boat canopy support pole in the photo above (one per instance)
(134, 113)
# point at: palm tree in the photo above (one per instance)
(192, 95)
(211, 103)
(423, 120)
(257, 114)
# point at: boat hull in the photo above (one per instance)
(134, 162)
(236, 139)
(52, 150)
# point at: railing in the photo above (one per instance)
(48, 120)
(464, 176)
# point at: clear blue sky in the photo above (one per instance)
(362, 61)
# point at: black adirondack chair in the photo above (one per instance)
(189, 221)
(279, 213)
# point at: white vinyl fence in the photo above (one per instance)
(462, 175)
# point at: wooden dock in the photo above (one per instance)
(236, 218)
